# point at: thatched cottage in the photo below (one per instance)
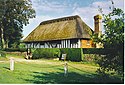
(66, 32)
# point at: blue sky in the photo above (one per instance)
(51, 9)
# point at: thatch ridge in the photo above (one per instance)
(59, 19)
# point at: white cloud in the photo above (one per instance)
(46, 6)
(87, 13)
(33, 23)
(119, 4)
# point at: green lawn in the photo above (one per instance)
(51, 71)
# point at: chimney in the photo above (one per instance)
(98, 24)
(98, 29)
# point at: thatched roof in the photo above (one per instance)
(58, 29)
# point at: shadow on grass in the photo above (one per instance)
(72, 78)
(7, 68)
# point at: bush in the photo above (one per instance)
(46, 53)
(73, 54)
(95, 54)
(2, 54)
(89, 57)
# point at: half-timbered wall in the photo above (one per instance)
(74, 43)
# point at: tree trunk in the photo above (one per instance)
(6, 43)
(2, 39)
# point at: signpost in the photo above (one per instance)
(63, 57)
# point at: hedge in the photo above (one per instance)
(45, 53)
(73, 54)
(101, 51)
(15, 49)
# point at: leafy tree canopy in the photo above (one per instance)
(113, 39)
(13, 15)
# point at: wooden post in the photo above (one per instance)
(12, 64)
(72, 45)
(64, 43)
(61, 43)
(66, 69)
(79, 43)
(69, 44)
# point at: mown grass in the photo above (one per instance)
(51, 71)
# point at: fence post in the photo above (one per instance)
(66, 69)
(11, 64)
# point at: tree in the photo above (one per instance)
(13, 15)
(113, 41)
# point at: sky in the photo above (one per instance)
(52, 9)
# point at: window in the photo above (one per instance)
(88, 42)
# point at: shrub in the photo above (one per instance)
(89, 57)
(2, 54)
(46, 53)
(93, 54)
(21, 45)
